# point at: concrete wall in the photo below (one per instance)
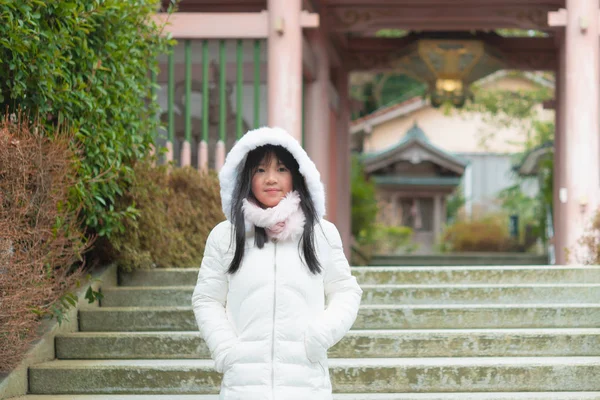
(488, 174)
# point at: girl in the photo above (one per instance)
(274, 291)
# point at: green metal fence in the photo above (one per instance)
(211, 91)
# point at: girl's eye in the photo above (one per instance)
(282, 169)
(260, 170)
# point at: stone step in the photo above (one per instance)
(129, 319)
(460, 259)
(402, 275)
(389, 375)
(345, 396)
(356, 344)
(160, 296)
(481, 294)
(476, 275)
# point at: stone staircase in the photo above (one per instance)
(422, 333)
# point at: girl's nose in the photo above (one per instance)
(271, 177)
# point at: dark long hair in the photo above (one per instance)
(243, 190)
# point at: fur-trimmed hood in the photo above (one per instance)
(234, 163)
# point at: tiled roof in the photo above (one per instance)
(417, 181)
(386, 110)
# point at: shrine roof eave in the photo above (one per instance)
(529, 166)
(450, 161)
(430, 181)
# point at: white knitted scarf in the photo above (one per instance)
(282, 222)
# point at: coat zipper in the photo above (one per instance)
(274, 308)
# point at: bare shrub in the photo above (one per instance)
(487, 234)
(41, 244)
(176, 210)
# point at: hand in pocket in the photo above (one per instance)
(314, 350)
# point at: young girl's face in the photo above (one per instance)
(271, 181)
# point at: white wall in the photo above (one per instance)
(489, 174)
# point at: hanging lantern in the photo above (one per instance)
(449, 66)
(450, 62)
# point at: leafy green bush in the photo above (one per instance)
(486, 234)
(530, 210)
(383, 239)
(454, 203)
(176, 208)
(388, 239)
(364, 202)
(86, 64)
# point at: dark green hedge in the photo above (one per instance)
(85, 64)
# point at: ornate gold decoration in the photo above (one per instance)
(450, 59)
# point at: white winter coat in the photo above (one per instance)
(268, 327)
